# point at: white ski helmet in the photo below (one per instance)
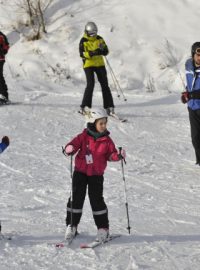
(91, 29)
(95, 114)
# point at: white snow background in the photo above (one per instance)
(46, 83)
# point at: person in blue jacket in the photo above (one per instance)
(192, 96)
(4, 143)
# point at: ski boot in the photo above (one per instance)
(4, 100)
(110, 111)
(102, 234)
(70, 232)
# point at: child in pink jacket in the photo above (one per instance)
(94, 148)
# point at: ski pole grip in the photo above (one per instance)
(120, 154)
(63, 151)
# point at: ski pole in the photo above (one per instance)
(125, 191)
(71, 192)
(175, 63)
(1, 235)
(71, 197)
(116, 82)
(115, 85)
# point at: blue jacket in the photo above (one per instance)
(3, 146)
(193, 82)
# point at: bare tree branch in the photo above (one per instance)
(42, 22)
(35, 9)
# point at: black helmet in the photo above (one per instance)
(195, 48)
(91, 29)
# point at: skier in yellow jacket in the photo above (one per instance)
(92, 48)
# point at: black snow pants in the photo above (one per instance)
(3, 86)
(194, 116)
(102, 78)
(95, 192)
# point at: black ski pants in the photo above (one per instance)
(102, 78)
(95, 191)
(194, 116)
(3, 86)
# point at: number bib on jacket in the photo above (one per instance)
(89, 159)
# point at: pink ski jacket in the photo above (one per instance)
(101, 150)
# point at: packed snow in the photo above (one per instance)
(148, 41)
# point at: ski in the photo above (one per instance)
(83, 113)
(4, 103)
(114, 115)
(60, 244)
(97, 243)
(80, 112)
(5, 237)
(63, 243)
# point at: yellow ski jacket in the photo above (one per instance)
(92, 50)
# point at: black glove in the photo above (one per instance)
(5, 140)
(94, 53)
(184, 97)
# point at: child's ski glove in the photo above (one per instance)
(118, 156)
(69, 149)
(122, 154)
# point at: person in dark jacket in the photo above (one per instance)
(192, 96)
(4, 143)
(4, 47)
(92, 48)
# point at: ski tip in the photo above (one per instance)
(59, 245)
(80, 112)
(83, 245)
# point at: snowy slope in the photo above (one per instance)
(162, 180)
(136, 33)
